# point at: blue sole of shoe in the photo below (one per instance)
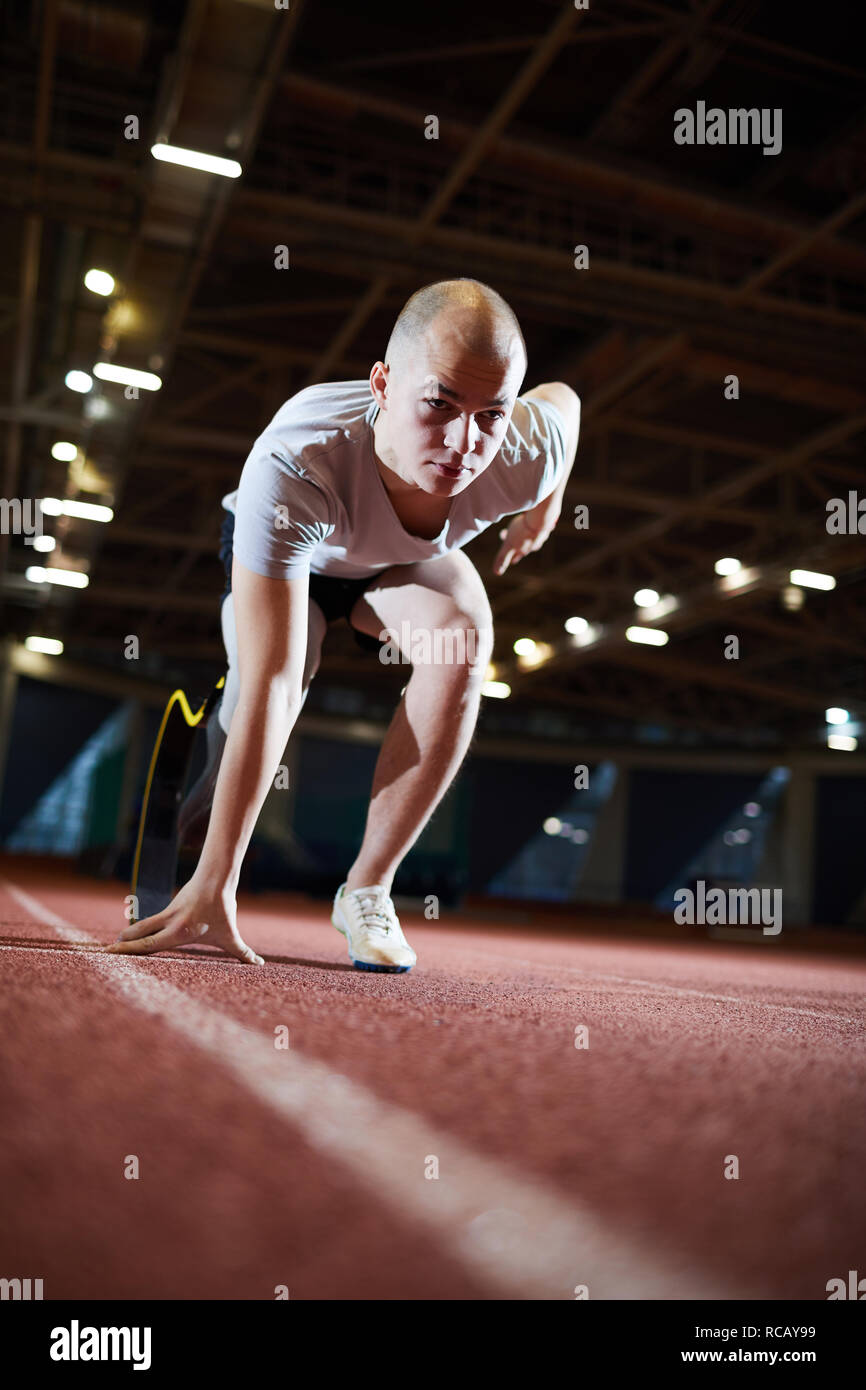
(382, 969)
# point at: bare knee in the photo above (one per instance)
(460, 642)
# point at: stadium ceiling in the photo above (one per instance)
(555, 130)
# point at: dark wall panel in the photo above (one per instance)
(670, 816)
(840, 835)
(509, 801)
(50, 726)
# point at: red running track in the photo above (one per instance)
(423, 1136)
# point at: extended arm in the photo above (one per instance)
(271, 617)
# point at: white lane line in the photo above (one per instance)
(512, 1230)
(657, 985)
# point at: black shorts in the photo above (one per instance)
(336, 597)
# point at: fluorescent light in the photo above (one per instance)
(64, 451)
(73, 579)
(728, 565)
(496, 690)
(835, 715)
(649, 636)
(79, 381)
(44, 542)
(194, 159)
(576, 625)
(88, 511)
(99, 281)
(127, 376)
(809, 580)
(49, 645)
(645, 598)
(842, 742)
(524, 646)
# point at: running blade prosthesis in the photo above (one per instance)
(154, 866)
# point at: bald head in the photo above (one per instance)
(465, 309)
(446, 390)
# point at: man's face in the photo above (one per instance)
(446, 411)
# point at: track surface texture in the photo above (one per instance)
(307, 1127)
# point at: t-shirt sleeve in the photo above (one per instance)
(281, 515)
(533, 460)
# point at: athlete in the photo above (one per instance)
(356, 501)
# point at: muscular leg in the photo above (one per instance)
(432, 726)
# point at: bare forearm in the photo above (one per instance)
(257, 738)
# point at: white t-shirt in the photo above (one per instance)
(311, 498)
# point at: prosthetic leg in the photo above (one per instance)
(167, 819)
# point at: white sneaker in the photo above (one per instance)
(367, 919)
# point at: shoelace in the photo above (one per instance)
(372, 909)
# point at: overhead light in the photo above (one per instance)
(552, 826)
(44, 542)
(121, 317)
(809, 580)
(835, 715)
(792, 598)
(97, 408)
(127, 376)
(728, 565)
(496, 690)
(524, 646)
(79, 381)
(49, 645)
(576, 625)
(649, 636)
(72, 579)
(587, 635)
(645, 598)
(64, 451)
(99, 281)
(87, 511)
(740, 579)
(541, 652)
(194, 159)
(843, 743)
(665, 605)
